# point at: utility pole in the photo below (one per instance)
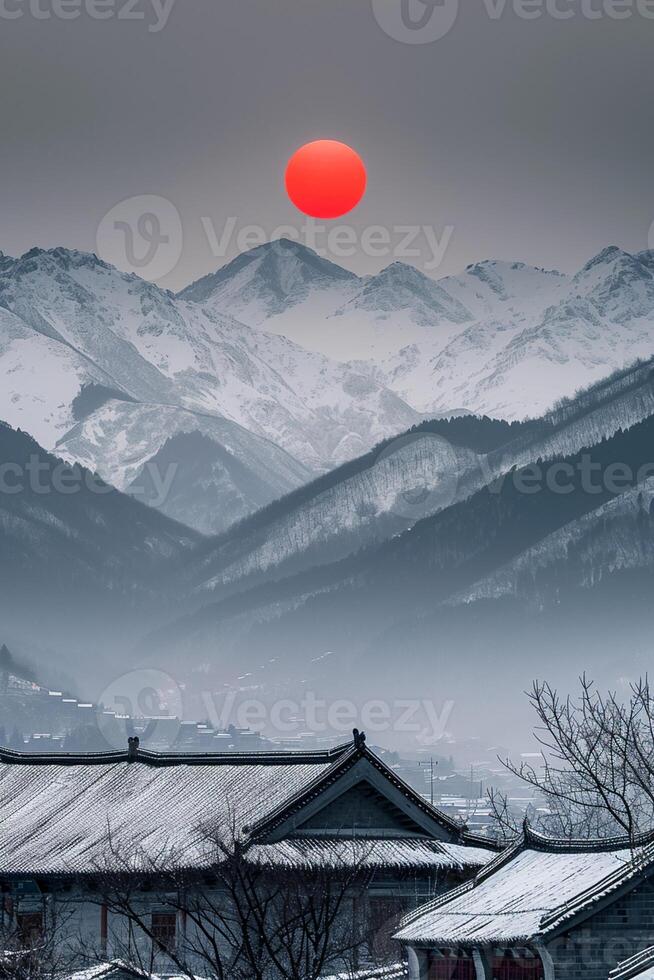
(431, 778)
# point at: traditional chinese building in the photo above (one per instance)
(64, 817)
(542, 910)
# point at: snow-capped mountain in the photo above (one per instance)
(502, 339)
(414, 476)
(147, 449)
(269, 280)
(367, 500)
(109, 368)
(168, 366)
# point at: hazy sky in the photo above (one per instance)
(532, 139)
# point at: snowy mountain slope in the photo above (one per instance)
(269, 280)
(620, 401)
(530, 362)
(197, 479)
(35, 399)
(166, 351)
(362, 502)
(503, 339)
(140, 447)
(596, 413)
(62, 295)
(618, 535)
(71, 323)
(78, 559)
(498, 542)
(387, 491)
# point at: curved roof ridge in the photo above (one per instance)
(147, 757)
(537, 840)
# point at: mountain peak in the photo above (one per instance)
(278, 274)
(65, 257)
(403, 274)
(607, 256)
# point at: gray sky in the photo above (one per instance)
(533, 139)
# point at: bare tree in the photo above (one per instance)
(34, 942)
(244, 917)
(596, 772)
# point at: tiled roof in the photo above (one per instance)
(400, 854)
(397, 971)
(70, 814)
(638, 967)
(58, 813)
(528, 892)
(116, 970)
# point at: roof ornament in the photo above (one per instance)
(133, 748)
(359, 738)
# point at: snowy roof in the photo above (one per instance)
(399, 854)
(118, 970)
(71, 814)
(396, 971)
(57, 811)
(638, 967)
(529, 891)
(115, 970)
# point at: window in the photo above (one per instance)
(30, 928)
(164, 929)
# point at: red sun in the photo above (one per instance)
(325, 179)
